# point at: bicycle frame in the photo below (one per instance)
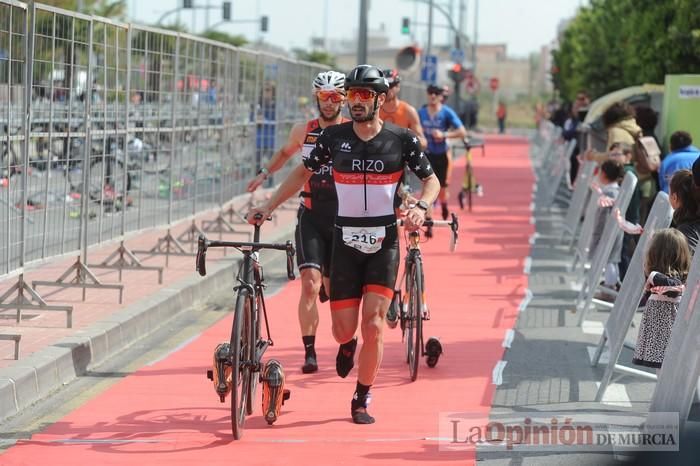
(413, 310)
(246, 347)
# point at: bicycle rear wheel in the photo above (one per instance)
(254, 335)
(414, 327)
(240, 371)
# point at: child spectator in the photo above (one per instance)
(685, 200)
(611, 172)
(622, 152)
(666, 268)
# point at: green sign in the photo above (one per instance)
(681, 107)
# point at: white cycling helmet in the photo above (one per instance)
(330, 81)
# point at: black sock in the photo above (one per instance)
(309, 342)
(360, 396)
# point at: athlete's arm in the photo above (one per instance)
(415, 126)
(417, 162)
(457, 128)
(287, 189)
(320, 156)
(293, 145)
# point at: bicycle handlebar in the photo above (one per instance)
(203, 244)
(453, 224)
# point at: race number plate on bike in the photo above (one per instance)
(365, 239)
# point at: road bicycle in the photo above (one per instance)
(238, 364)
(469, 184)
(410, 306)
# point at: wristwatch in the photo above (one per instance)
(264, 171)
(422, 205)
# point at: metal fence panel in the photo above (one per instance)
(130, 127)
(13, 25)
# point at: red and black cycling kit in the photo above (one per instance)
(366, 175)
(314, 230)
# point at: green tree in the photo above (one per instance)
(315, 56)
(612, 44)
(105, 8)
(219, 36)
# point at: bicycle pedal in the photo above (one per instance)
(210, 374)
(286, 394)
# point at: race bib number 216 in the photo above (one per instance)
(365, 239)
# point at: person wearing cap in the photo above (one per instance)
(440, 123)
(368, 157)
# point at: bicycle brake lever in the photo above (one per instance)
(455, 232)
(290, 261)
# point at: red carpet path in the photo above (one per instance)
(473, 295)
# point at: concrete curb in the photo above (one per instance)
(37, 376)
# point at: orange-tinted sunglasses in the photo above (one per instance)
(333, 96)
(361, 93)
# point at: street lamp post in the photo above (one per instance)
(362, 39)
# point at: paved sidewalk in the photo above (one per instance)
(52, 354)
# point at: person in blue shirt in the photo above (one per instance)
(439, 123)
(266, 126)
(682, 156)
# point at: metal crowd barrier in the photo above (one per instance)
(108, 129)
(627, 300)
(611, 232)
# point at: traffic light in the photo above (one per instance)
(458, 73)
(405, 26)
(406, 57)
(226, 13)
(187, 4)
(264, 23)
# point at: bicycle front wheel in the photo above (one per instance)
(253, 330)
(414, 327)
(240, 369)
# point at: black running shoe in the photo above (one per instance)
(433, 350)
(345, 360)
(358, 411)
(310, 365)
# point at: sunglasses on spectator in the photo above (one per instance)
(333, 96)
(361, 93)
(436, 92)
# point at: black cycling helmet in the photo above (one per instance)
(392, 76)
(367, 76)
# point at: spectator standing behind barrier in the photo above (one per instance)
(682, 156)
(623, 153)
(266, 125)
(685, 200)
(647, 118)
(611, 172)
(666, 267)
(570, 130)
(619, 120)
(501, 114)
